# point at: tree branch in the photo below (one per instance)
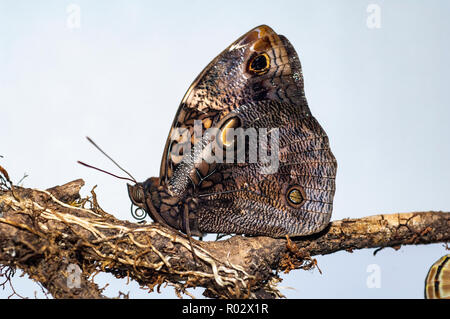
(49, 233)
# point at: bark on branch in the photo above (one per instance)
(42, 232)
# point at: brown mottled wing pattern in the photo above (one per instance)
(243, 200)
(238, 197)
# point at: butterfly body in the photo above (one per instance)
(280, 177)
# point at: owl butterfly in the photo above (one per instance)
(254, 84)
(437, 282)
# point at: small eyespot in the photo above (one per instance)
(295, 196)
(259, 64)
(231, 123)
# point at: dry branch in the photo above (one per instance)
(43, 232)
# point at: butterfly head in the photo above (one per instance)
(139, 192)
(136, 193)
(156, 201)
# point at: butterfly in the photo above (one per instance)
(437, 282)
(254, 86)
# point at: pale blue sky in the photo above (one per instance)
(382, 95)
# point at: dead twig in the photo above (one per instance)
(44, 232)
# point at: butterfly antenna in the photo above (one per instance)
(103, 171)
(109, 157)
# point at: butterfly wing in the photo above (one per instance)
(257, 82)
(437, 282)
